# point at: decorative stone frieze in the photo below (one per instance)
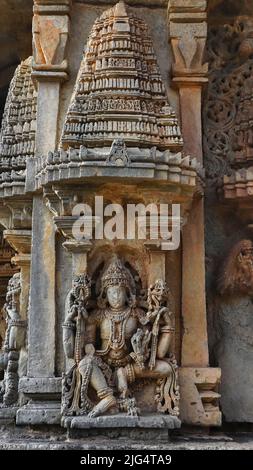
(228, 104)
(82, 163)
(239, 185)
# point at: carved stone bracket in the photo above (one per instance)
(20, 211)
(50, 35)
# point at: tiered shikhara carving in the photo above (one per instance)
(116, 344)
(119, 115)
(119, 92)
(14, 340)
(17, 138)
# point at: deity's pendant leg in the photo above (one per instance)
(105, 404)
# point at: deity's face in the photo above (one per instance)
(116, 296)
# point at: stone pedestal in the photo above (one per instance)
(148, 427)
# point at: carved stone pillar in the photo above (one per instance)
(187, 31)
(50, 35)
(40, 385)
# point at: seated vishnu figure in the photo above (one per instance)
(123, 341)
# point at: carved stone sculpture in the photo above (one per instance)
(237, 271)
(14, 340)
(228, 102)
(17, 136)
(116, 344)
(119, 80)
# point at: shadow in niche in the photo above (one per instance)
(3, 96)
(230, 7)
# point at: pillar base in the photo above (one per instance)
(199, 396)
(44, 407)
(39, 412)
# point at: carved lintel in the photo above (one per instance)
(50, 34)
(188, 31)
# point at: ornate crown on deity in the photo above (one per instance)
(116, 274)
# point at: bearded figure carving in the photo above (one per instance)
(236, 275)
(117, 343)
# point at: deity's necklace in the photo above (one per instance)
(117, 339)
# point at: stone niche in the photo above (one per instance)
(106, 346)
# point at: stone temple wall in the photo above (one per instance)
(137, 102)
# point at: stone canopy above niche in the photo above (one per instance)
(119, 92)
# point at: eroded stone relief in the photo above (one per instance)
(228, 108)
(14, 340)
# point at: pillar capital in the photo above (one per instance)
(50, 34)
(187, 33)
(20, 241)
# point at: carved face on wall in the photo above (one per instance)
(237, 270)
(116, 296)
